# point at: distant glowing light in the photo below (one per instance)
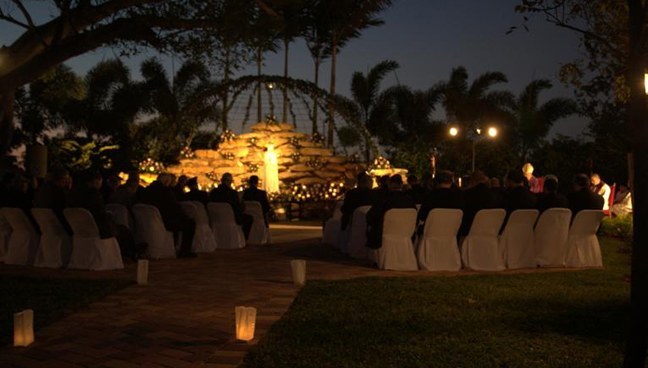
(492, 132)
(454, 131)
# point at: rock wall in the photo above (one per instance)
(302, 158)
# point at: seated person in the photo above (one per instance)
(599, 187)
(253, 193)
(16, 194)
(179, 187)
(379, 193)
(126, 193)
(582, 198)
(415, 189)
(194, 193)
(52, 194)
(550, 198)
(477, 197)
(394, 198)
(160, 194)
(517, 196)
(86, 193)
(445, 195)
(356, 197)
(622, 202)
(225, 194)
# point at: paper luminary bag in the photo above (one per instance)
(24, 328)
(245, 322)
(142, 272)
(298, 267)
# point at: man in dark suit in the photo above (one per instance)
(253, 193)
(445, 195)
(582, 198)
(395, 198)
(160, 194)
(379, 193)
(194, 193)
(477, 198)
(550, 198)
(225, 194)
(356, 197)
(517, 196)
(415, 189)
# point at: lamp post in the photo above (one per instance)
(474, 136)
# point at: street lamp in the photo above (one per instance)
(491, 132)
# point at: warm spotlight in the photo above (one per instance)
(492, 132)
(453, 131)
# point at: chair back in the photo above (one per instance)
(201, 213)
(520, 222)
(355, 243)
(550, 236)
(586, 222)
(18, 220)
(82, 223)
(119, 213)
(147, 216)
(253, 208)
(220, 212)
(399, 222)
(442, 222)
(337, 212)
(189, 208)
(48, 222)
(487, 222)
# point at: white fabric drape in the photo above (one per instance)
(582, 243)
(437, 248)
(550, 237)
(517, 240)
(23, 242)
(356, 239)
(226, 230)
(397, 251)
(259, 233)
(151, 230)
(89, 251)
(480, 249)
(203, 240)
(54, 240)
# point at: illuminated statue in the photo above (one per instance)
(270, 170)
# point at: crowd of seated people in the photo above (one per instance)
(89, 190)
(480, 192)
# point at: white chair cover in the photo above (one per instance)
(120, 214)
(437, 248)
(516, 242)
(89, 251)
(259, 233)
(55, 244)
(332, 227)
(203, 240)
(23, 242)
(226, 230)
(550, 237)
(354, 242)
(480, 249)
(397, 251)
(151, 230)
(5, 233)
(583, 248)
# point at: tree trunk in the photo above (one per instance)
(318, 60)
(284, 115)
(259, 60)
(331, 103)
(6, 121)
(637, 341)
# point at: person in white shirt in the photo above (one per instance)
(599, 187)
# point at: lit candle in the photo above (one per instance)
(24, 328)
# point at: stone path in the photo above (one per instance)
(185, 316)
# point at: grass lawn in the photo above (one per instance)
(561, 319)
(51, 299)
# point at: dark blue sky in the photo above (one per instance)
(428, 38)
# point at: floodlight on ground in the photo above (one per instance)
(646, 82)
(492, 132)
(453, 131)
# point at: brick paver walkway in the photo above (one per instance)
(185, 316)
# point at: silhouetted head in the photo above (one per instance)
(581, 181)
(444, 179)
(395, 182)
(166, 179)
(192, 183)
(514, 178)
(253, 181)
(364, 180)
(384, 181)
(227, 180)
(550, 184)
(412, 180)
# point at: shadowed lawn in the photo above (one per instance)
(51, 299)
(557, 319)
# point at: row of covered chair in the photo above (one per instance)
(21, 244)
(527, 240)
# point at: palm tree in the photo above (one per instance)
(533, 122)
(345, 19)
(364, 91)
(469, 106)
(177, 106)
(316, 34)
(265, 34)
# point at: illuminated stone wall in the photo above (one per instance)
(302, 158)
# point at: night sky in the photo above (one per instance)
(427, 38)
